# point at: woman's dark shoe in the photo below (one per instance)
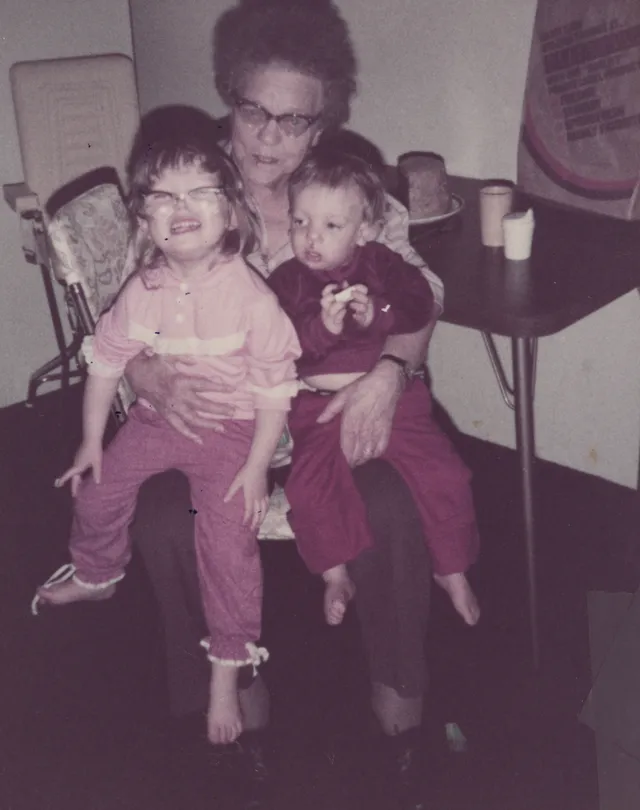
(407, 763)
(256, 774)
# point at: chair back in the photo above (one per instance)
(73, 116)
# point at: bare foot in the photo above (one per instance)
(64, 593)
(339, 591)
(463, 598)
(224, 720)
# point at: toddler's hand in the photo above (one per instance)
(361, 305)
(88, 457)
(333, 311)
(253, 482)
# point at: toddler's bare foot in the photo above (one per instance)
(463, 598)
(339, 591)
(64, 593)
(224, 719)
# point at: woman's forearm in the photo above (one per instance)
(413, 347)
(141, 374)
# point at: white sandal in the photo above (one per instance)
(66, 572)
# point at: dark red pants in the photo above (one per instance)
(327, 513)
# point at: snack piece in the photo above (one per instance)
(424, 177)
(344, 295)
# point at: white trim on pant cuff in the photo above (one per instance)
(96, 586)
(256, 656)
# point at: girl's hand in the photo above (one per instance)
(88, 457)
(253, 482)
(361, 306)
(333, 311)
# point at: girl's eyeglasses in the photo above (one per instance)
(155, 201)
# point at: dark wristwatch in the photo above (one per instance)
(407, 371)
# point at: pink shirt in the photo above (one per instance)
(226, 319)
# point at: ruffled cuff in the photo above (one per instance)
(255, 656)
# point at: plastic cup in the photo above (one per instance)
(518, 235)
(496, 201)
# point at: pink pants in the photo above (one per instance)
(226, 551)
(328, 515)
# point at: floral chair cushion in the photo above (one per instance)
(275, 525)
(90, 237)
(89, 240)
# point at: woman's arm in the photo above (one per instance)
(411, 348)
(369, 404)
(395, 235)
(176, 392)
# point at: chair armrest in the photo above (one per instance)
(25, 203)
(20, 198)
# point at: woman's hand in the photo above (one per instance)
(367, 407)
(332, 311)
(252, 480)
(361, 305)
(176, 391)
(88, 457)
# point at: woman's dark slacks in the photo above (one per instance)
(392, 580)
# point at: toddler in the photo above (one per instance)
(345, 295)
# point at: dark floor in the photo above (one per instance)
(83, 713)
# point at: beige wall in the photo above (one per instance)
(38, 29)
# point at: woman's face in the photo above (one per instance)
(264, 154)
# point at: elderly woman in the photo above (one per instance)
(287, 72)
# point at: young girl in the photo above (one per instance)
(345, 294)
(192, 295)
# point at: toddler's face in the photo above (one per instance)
(327, 224)
(187, 214)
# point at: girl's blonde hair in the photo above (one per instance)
(174, 152)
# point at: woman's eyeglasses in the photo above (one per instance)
(291, 124)
(155, 201)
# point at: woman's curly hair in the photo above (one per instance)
(308, 35)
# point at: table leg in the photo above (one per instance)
(523, 353)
